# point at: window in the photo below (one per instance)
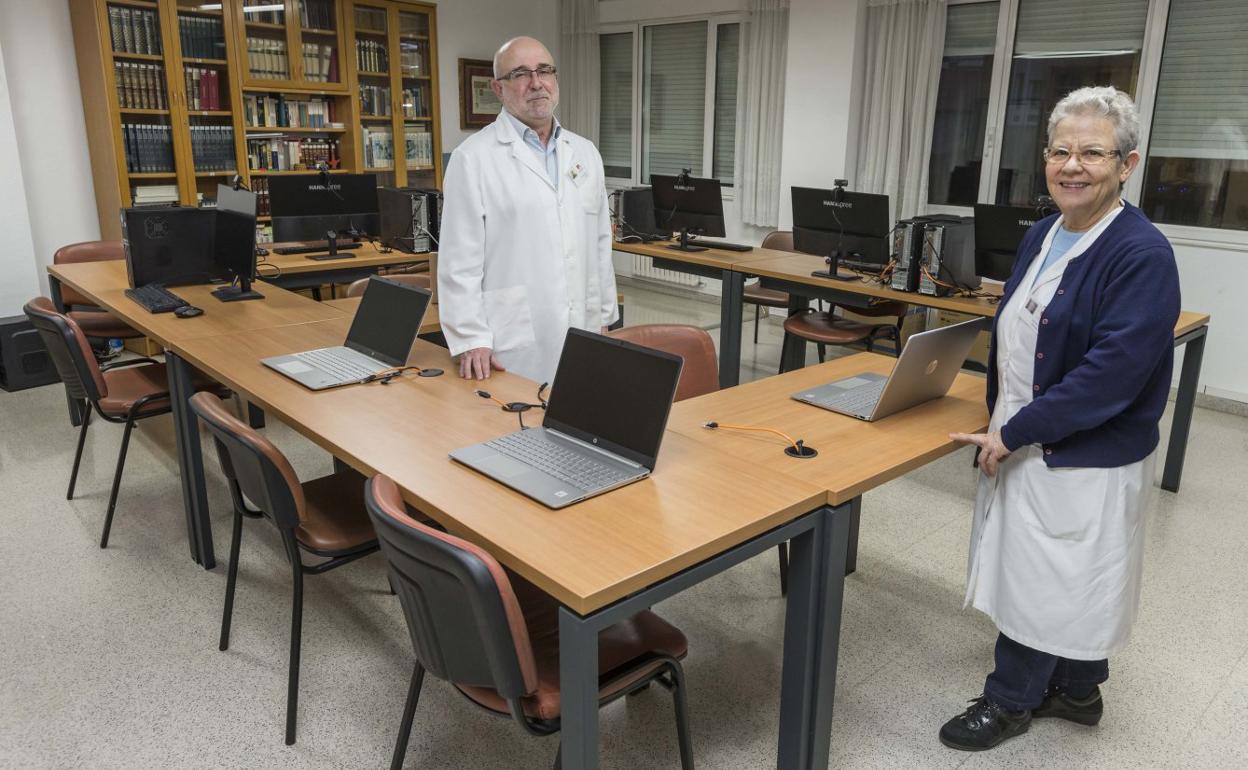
(1197, 167)
(962, 104)
(669, 99)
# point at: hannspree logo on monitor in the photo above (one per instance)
(1026, 222)
(324, 187)
(839, 204)
(684, 187)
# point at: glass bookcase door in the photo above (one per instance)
(376, 89)
(210, 129)
(416, 98)
(268, 46)
(319, 41)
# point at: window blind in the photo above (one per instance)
(673, 103)
(1202, 91)
(727, 53)
(1079, 26)
(615, 122)
(971, 30)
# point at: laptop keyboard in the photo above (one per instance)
(535, 449)
(860, 400)
(344, 370)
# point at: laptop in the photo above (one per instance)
(924, 371)
(381, 338)
(602, 428)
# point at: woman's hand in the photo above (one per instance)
(991, 450)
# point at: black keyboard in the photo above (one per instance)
(721, 245)
(315, 249)
(156, 299)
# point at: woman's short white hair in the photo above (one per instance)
(1107, 102)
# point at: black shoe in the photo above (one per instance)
(983, 726)
(1084, 711)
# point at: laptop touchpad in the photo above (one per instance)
(852, 382)
(502, 466)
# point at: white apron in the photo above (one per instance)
(1056, 554)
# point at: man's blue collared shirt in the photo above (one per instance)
(546, 154)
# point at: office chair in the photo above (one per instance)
(826, 328)
(755, 294)
(699, 376)
(497, 637)
(121, 393)
(356, 289)
(95, 322)
(324, 517)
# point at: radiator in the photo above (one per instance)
(643, 267)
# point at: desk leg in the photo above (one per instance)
(578, 675)
(812, 629)
(75, 406)
(255, 416)
(855, 517)
(793, 350)
(730, 303)
(1184, 404)
(190, 461)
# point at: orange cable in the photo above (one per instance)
(712, 424)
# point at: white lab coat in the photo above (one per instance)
(520, 262)
(1056, 554)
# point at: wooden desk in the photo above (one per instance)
(700, 513)
(299, 272)
(348, 305)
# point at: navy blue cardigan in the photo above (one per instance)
(1105, 348)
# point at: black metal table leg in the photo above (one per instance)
(855, 517)
(793, 349)
(1184, 405)
(190, 461)
(578, 691)
(255, 416)
(730, 320)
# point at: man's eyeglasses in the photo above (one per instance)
(1093, 156)
(545, 72)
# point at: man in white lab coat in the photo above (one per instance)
(526, 234)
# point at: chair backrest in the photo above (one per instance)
(252, 464)
(462, 614)
(70, 351)
(356, 289)
(700, 374)
(87, 251)
(780, 240)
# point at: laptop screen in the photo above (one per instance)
(614, 394)
(387, 321)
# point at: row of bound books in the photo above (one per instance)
(418, 147)
(213, 148)
(412, 60)
(253, 12)
(290, 153)
(372, 56)
(202, 38)
(414, 105)
(375, 100)
(378, 147)
(264, 111)
(140, 86)
(149, 148)
(317, 14)
(267, 58)
(134, 30)
(203, 88)
(260, 186)
(154, 195)
(320, 63)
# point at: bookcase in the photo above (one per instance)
(180, 95)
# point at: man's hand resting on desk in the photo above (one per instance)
(476, 364)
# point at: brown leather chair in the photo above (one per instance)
(700, 373)
(324, 517)
(122, 393)
(826, 328)
(356, 289)
(94, 321)
(497, 637)
(755, 294)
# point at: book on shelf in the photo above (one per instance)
(260, 186)
(261, 11)
(281, 111)
(378, 147)
(212, 147)
(414, 103)
(317, 14)
(203, 88)
(290, 153)
(375, 101)
(412, 60)
(202, 37)
(149, 148)
(154, 194)
(371, 56)
(266, 58)
(320, 63)
(418, 146)
(134, 30)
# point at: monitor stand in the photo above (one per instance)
(684, 244)
(236, 293)
(832, 272)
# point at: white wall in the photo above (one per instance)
(1214, 280)
(17, 258)
(47, 121)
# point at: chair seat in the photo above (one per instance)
(335, 521)
(634, 639)
(827, 328)
(755, 294)
(101, 323)
(128, 384)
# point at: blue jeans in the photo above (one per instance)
(1023, 674)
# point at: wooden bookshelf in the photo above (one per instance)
(171, 21)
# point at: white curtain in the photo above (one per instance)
(904, 45)
(579, 67)
(760, 112)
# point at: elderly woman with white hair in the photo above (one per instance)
(1078, 377)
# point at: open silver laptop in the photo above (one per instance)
(602, 427)
(381, 338)
(924, 371)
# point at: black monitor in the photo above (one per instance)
(306, 207)
(688, 204)
(236, 199)
(849, 228)
(234, 252)
(169, 246)
(998, 232)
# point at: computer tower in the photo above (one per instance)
(409, 218)
(907, 250)
(635, 215)
(948, 257)
(24, 361)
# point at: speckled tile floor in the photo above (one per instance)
(108, 659)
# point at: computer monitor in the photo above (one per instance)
(688, 204)
(240, 200)
(234, 253)
(305, 207)
(168, 246)
(998, 232)
(849, 227)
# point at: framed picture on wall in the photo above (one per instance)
(478, 106)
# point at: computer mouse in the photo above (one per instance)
(261, 251)
(187, 311)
